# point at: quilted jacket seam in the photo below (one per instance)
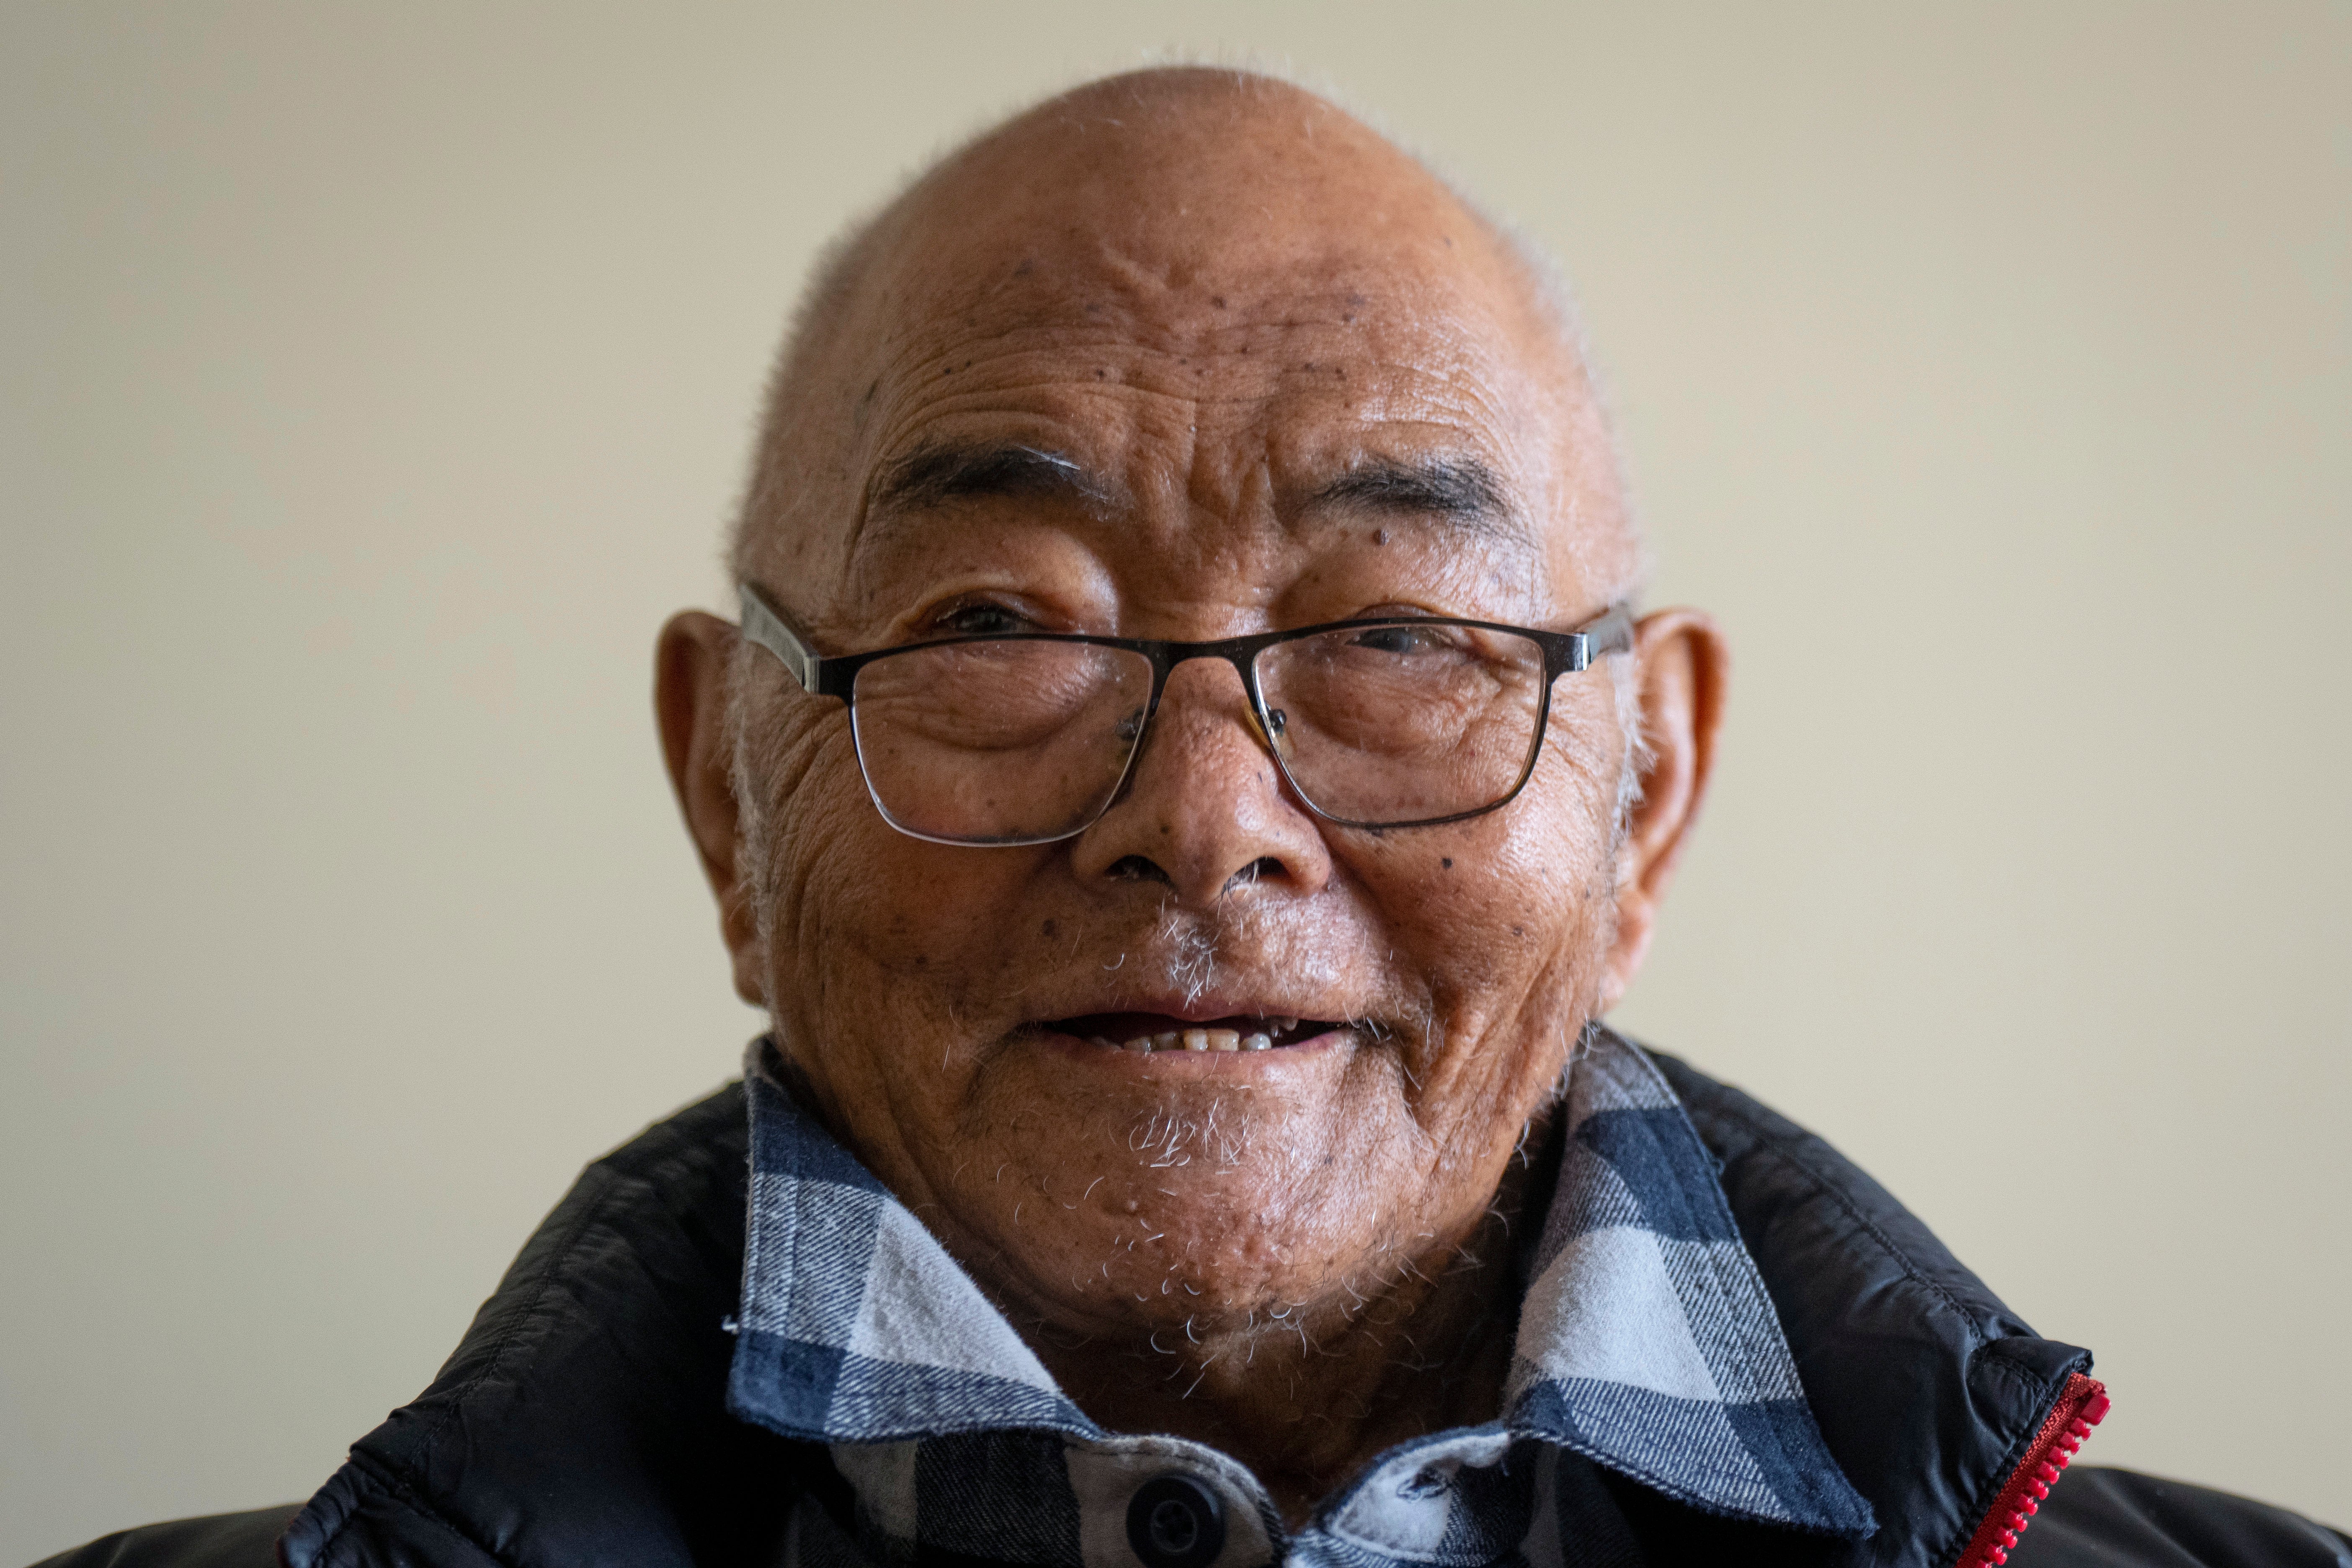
(1973, 1515)
(2044, 1391)
(1996, 1356)
(1771, 1146)
(590, 1212)
(387, 1480)
(406, 1480)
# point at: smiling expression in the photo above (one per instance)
(1135, 368)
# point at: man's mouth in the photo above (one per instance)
(1159, 1032)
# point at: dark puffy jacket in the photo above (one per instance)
(582, 1422)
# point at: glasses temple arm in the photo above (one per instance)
(1611, 632)
(764, 625)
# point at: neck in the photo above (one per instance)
(1307, 1399)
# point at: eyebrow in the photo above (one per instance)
(948, 471)
(1463, 494)
(1460, 491)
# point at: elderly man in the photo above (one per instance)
(1186, 784)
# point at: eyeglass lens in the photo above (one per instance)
(1388, 725)
(1014, 741)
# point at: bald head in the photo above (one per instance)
(1165, 211)
(1192, 358)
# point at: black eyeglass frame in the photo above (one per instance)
(1565, 653)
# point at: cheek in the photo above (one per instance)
(880, 948)
(1509, 943)
(1485, 906)
(872, 927)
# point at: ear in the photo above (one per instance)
(691, 707)
(1681, 663)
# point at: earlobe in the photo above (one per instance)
(1682, 665)
(690, 710)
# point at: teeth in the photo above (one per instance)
(1202, 1040)
(1284, 1024)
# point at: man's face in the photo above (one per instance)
(1204, 341)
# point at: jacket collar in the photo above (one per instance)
(1646, 1340)
(581, 1418)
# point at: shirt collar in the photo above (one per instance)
(1646, 1342)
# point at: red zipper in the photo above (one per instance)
(2083, 1406)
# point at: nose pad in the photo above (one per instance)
(1273, 727)
(1203, 802)
(1270, 725)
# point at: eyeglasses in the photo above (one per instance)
(1029, 736)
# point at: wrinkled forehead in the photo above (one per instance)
(1179, 223)
(1272, 249)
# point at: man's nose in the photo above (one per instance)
(1206, 811)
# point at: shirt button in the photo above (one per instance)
(1174, 1522)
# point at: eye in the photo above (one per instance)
(980, 618)
(1405, 640)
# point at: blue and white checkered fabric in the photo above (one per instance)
(1646, 1344)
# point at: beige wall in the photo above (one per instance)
(377, 378)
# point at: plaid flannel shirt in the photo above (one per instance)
(1645, 1344)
